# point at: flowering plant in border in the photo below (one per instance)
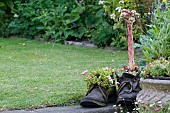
(115, 7)
(157, 107)
(103, 77)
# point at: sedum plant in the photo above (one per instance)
(103, 77)
(160, 67)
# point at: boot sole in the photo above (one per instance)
(92, 103)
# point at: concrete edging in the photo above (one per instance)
(69, 109)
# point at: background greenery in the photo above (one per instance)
(156, 42)
(56, 20)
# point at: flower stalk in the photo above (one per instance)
(130, 46)
(129, 17)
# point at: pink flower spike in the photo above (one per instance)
(127, 11)
(157, 109)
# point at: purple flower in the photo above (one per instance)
(74, 24)
(163, 7)
(157, 109)
(38, 10)
(152, 12)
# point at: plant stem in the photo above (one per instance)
(130, 46)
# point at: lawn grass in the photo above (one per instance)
(36, 74)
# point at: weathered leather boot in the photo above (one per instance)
(99, 97)
(128, 89)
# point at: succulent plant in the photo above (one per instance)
(102, 76)
(160, 67)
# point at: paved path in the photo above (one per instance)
(71, 109)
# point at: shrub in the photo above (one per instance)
(156, 43)
(42, 19)
(72, 20)
(102, 34)
(5, 16)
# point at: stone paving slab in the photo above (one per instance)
(71, 109)
(17, 111)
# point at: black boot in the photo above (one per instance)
(128, 89)
(99, 97)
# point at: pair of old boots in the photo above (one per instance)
(128, 88)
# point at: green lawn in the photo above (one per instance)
(36, 74)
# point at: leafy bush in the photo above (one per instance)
(102, 33)
(71, 20)
(58, 24)
(156, 43)
(60, 21)
(38, 18)
(5, 16)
